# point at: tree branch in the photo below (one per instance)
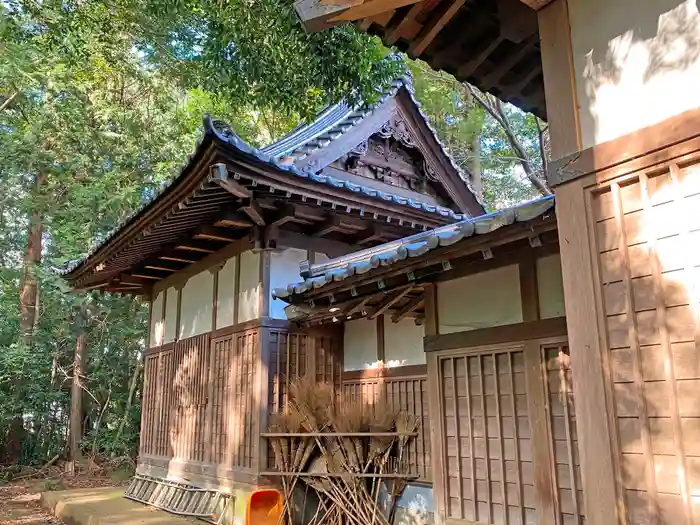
(494, 107)
(8, 101)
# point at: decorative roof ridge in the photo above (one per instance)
(386, 254)
(221, 131)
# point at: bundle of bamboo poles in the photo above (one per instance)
(352, 455)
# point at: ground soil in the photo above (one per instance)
(19, 500)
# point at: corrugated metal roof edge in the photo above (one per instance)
(387, 254)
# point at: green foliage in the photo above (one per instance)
(105, 101)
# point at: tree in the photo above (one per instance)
(501, 147)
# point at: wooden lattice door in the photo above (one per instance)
(507, 436)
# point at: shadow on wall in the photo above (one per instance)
(628, 56)
(654, 353)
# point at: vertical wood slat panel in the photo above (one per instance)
(633, 340)
(369, 390)
(662, 323)
(479, 406)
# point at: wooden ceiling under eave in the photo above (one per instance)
(492, 44)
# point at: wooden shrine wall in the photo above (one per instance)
(630, 270)
(508, 442)
(645, 242)
(200, 405)
(404, 388)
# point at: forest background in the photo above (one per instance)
(100, 104)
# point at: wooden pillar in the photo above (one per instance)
(559, 80)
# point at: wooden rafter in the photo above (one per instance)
(394, 32)
(371, 8)
(134, 280)
(234, 220)
(215, 234)
(359, 306)
(195, 246)
(432, 28)
(389, 302)
(252, 209)
(468, 68)
(162, 267)
(410, 307)
(495, 76)
(177, 258)
(219, 175)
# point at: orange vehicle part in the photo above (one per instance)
(264, 507)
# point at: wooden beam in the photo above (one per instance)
(195, 246)
(432, 28)
(410, 307)
(205, 263)
(134, 280)
(252, 210)
(219, 175)
(559, 83)
(381, 354)
(288, 239)
(234, 220)
(162, 267)
(394, 33)
(215, 234)
(359, 307)
(542, 329)
(467, 69)
(432, 324)
(529, 294)
(506, 65)
(147, 276)
(389, 302)
(371, 8)
(177, 259)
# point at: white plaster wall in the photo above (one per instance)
(224, 296)
(636, 63)
(170, 331)
(156, 328)
(550, 287)
(249, 287)
(197, 298)
(403, 342)
(360, 344)
(479, 301)
(284, 269)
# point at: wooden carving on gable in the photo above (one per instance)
(393, 156)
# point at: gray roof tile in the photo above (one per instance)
(416, 245)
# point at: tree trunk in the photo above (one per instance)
(76, 401)
(29, 291)
(28, 308)
(130, 400)
(475, 167)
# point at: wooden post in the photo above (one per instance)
(587, 343)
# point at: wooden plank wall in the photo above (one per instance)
(488, 474)
(295, 354)
(409, 393)
(199, 401)
(645, 237)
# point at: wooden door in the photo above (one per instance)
(506, 437)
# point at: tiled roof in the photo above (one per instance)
(413, 246)
(338, 119)
(224, 134)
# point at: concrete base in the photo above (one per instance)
(106, 506)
